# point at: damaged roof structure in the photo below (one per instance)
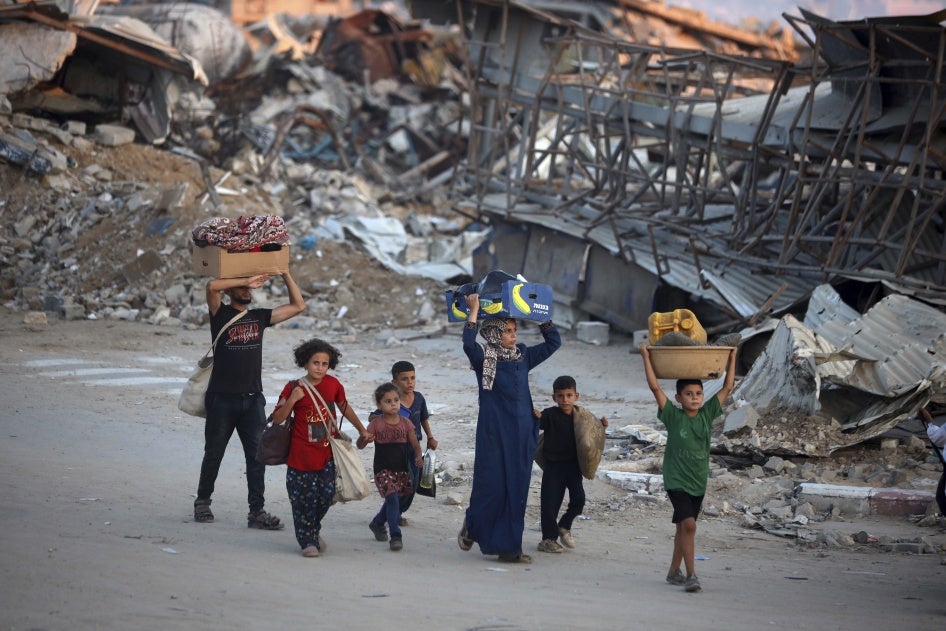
(90, 63)
(636, 178)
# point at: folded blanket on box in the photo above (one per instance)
(243, 234)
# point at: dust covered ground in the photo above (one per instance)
(100, 471)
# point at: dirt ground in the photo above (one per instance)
(100, 469)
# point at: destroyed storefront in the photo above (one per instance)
(635, 178)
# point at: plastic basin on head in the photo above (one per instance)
(689, 362)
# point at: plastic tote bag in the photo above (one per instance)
(351, 481)
(192, 397)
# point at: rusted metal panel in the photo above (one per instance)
(370, 44)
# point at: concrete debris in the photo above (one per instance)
(121, 68)
(798, 497)
(851, 378)
(48, 49)
(383, 164)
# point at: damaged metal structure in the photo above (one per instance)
(675, 165)
(635, 179)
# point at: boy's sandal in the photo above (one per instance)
(202, 513)
(262, 520)
(515, 558)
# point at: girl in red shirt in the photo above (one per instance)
(310, 471)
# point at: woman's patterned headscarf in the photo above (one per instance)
(493, 350)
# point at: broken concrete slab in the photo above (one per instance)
(113, 135)
(865, 500)
(637, 482)
(32, 54)
(742, 418)
(596, 333)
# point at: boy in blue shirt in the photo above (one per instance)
(414, 406)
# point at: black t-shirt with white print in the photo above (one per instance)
(238, 356)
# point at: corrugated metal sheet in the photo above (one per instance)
(900, 339)
(791, 389)
(741, 288)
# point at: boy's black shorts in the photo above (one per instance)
(685, 505)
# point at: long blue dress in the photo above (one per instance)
(506, 436)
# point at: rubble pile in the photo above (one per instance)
(805, 499)
(97, 225)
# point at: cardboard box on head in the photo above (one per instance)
(220, 263)
(502, 295)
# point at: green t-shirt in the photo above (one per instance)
(686, 456)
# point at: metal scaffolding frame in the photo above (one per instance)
(780, 175)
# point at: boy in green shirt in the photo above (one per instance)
(686, 459)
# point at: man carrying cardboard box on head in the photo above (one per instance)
(235, 398)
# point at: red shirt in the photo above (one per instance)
(306, 454)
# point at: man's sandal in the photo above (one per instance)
(202, 514)
(262, 520)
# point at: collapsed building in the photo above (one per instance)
(635, 178)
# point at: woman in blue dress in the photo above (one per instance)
(506, 433)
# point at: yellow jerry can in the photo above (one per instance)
(679, 320)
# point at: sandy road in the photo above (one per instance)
(99, 470)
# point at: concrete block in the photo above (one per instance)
(596, 333)
(774, 463)
(81, 143)
(900, 502)
(22, 121)
(744, 417)
(850, 500)
(35, 319)
(114, 135)
(889, 443)
(908, 547)
(77, 128)
(637, 482)
(61, 135)
(73, 311)
(755, 472)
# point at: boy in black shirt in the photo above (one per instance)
(560, 470)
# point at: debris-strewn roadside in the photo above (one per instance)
(96, 223)
(112, 240)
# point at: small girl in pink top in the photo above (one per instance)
(393, 435)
